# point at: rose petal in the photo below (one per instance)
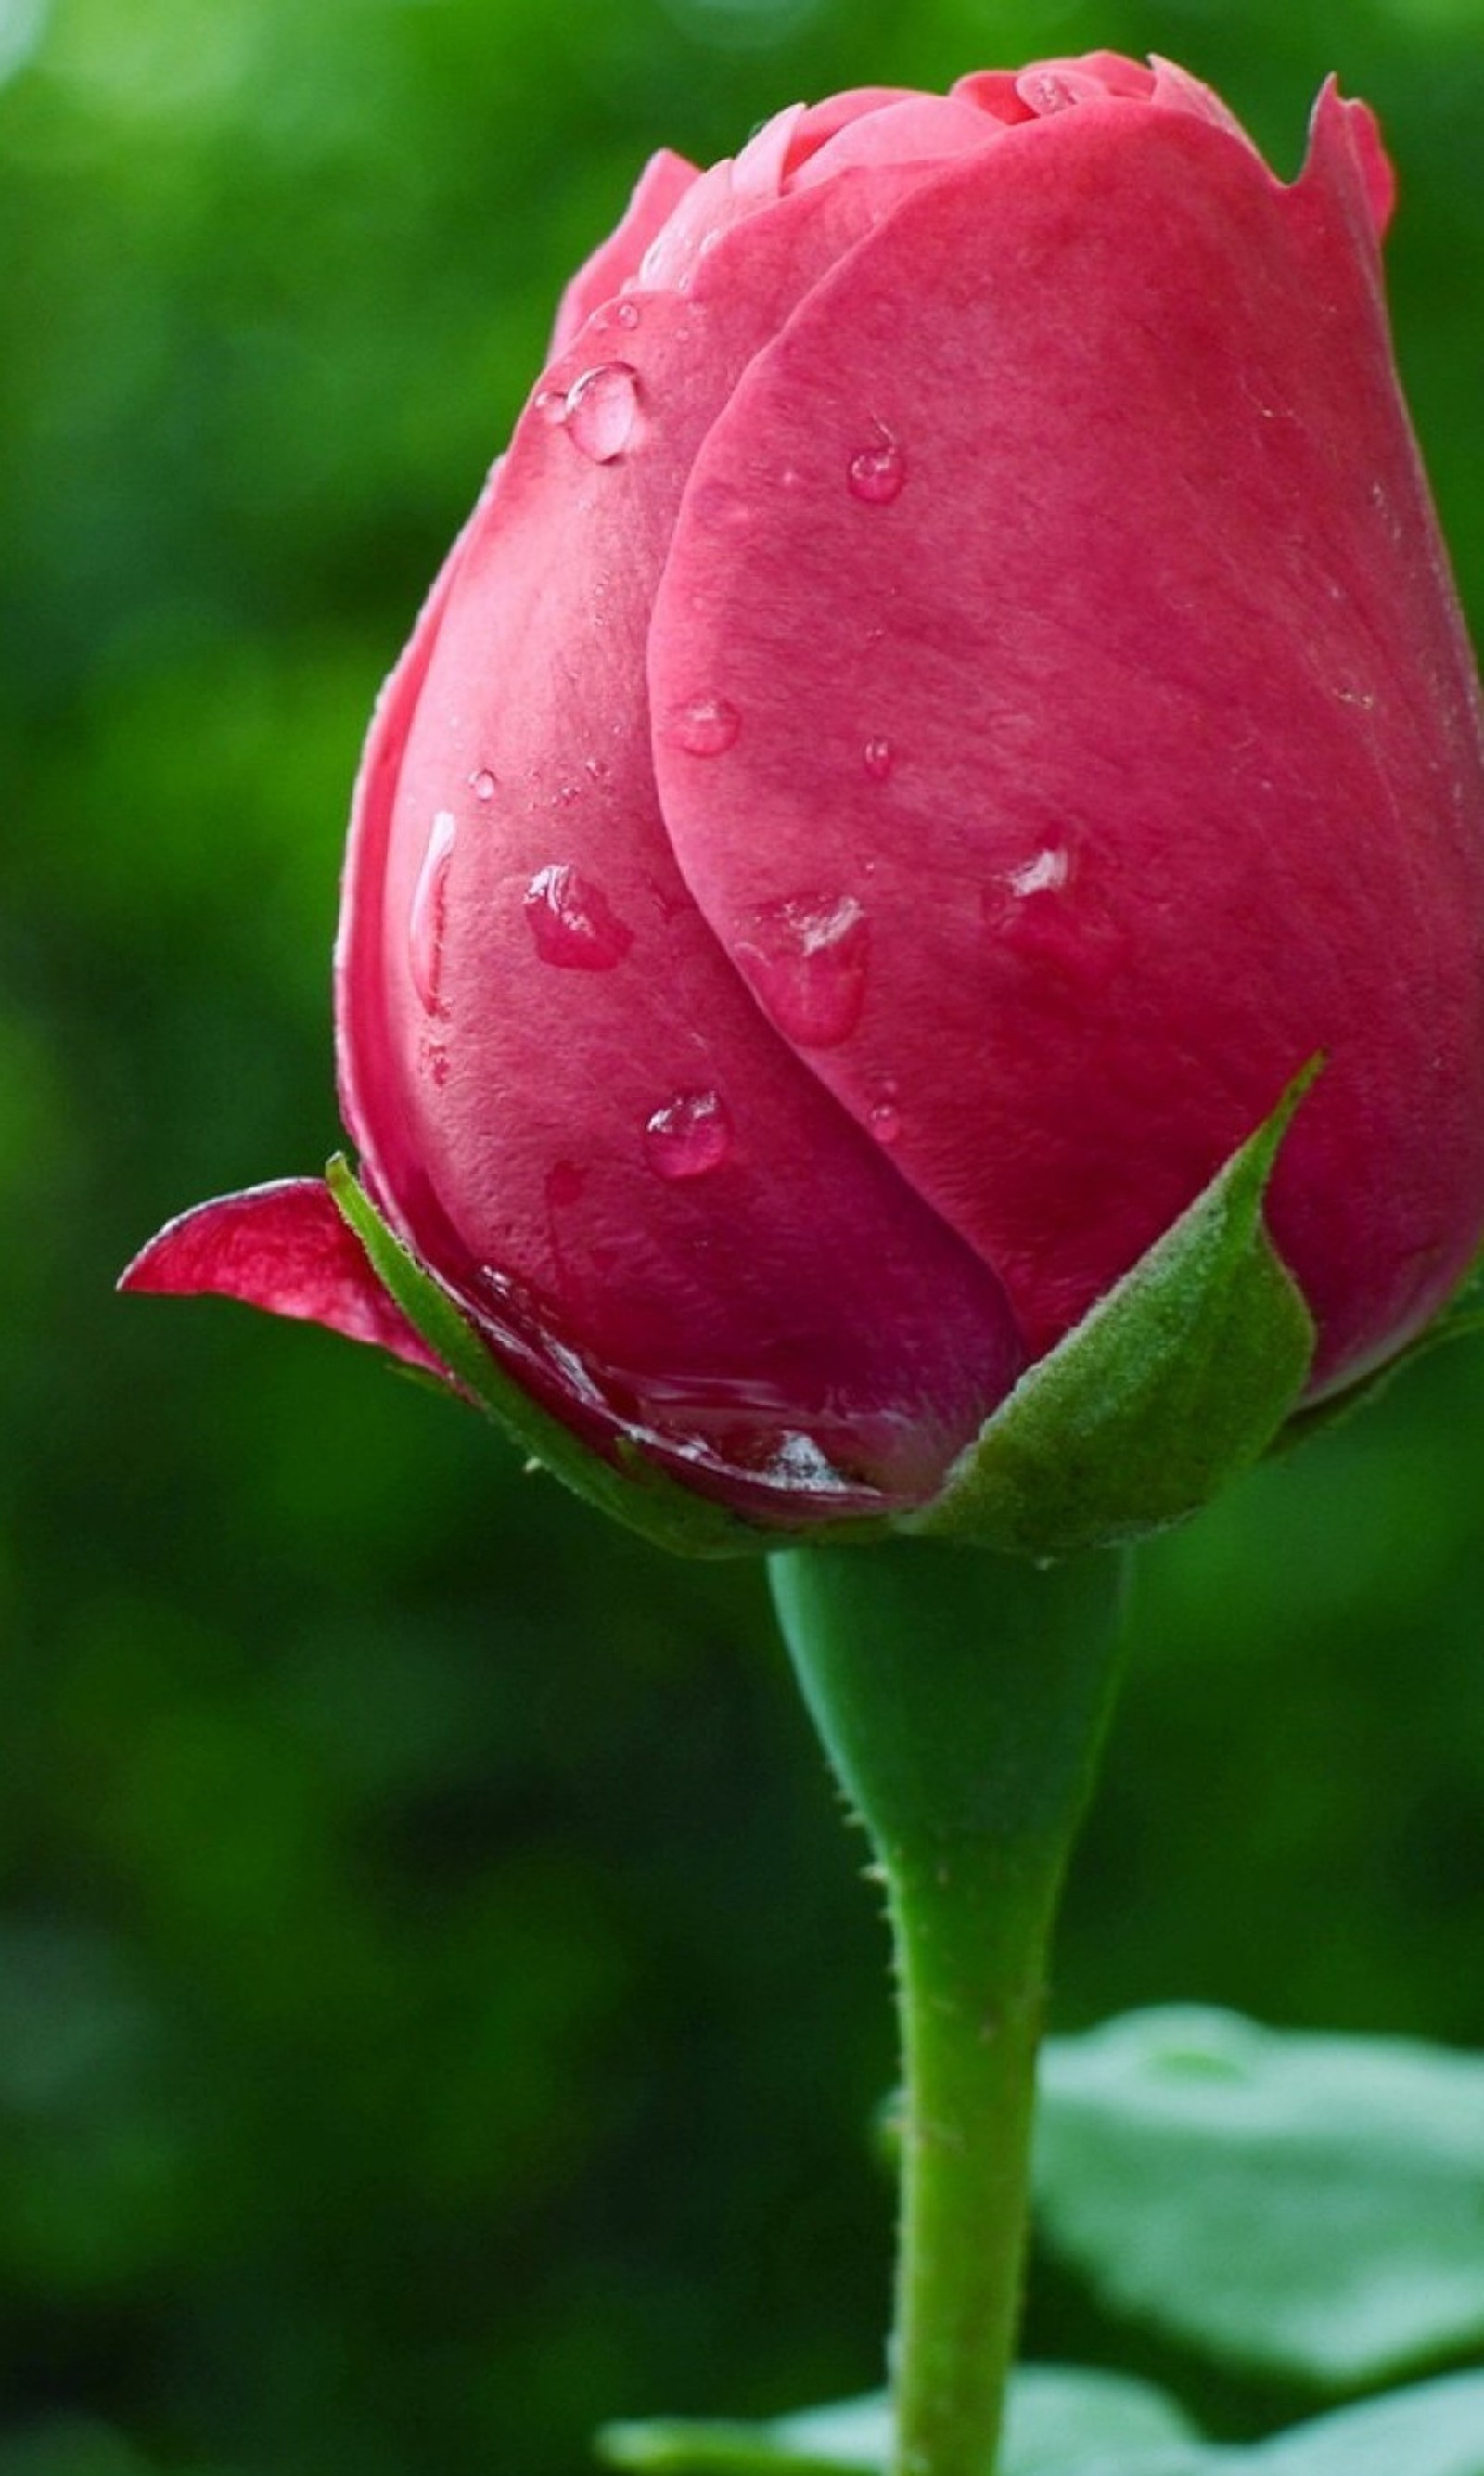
(663, 1188)
(822, 120)
(662, 185)
(1176, 775)
(925, 127)
(283, 1247)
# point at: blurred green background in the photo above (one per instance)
(437, 2003)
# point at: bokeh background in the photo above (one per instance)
(438, 2005)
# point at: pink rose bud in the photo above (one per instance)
(953, 697)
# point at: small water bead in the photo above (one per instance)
(626, 314)
(1046, 874)
(427, 917)
(689, 1136)
(800, 1462)
(879, 757)
(601, 408)
(877, 474)
(806, 957)
(484, 785)
(706, 727)
(551, 405)
(1048, 92)
(572, 922)
(885, 1118)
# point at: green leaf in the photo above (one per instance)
(1435, 2430)
(1059, 2415)
(1071, 2423)
(1171, 1385)
(1306, 2206)
(631, 1491)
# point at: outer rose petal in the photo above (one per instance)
(660, 186)
(1124, 715)
(924, 129)
(585, 1125)
(283, 1246)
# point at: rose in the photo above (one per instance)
(951, 697)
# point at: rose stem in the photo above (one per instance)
(962, 1699)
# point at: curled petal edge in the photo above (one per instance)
(285, 1246)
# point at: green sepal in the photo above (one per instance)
(631, 1489)
(1171, 1386)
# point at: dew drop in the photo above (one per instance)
(688, 1137)
(885, 1118)
(806, 957)
(551, 405)
(879, 757)
(1048, 92)
(1045, 874)
(484, 785)
(427, 918)
(572, 922)
(706, 727)
(626, 314)
(876, 473)
(798, 1462)
(602, 407)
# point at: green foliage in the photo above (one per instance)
(437, 2002)
(1066, 2422)
(1307, 2206)
(1059, 2415)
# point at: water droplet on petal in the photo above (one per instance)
(484, 785)
(1045, 874)
(879, 759)
(885, 1118)
(877, 472)
(626, 314)
(1048, 92)
(572, 922)
(601, 408)
(551, 404)
(706, 727)
(426, 919)
(806, 958)
(689, 1136)
(799, 1462)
